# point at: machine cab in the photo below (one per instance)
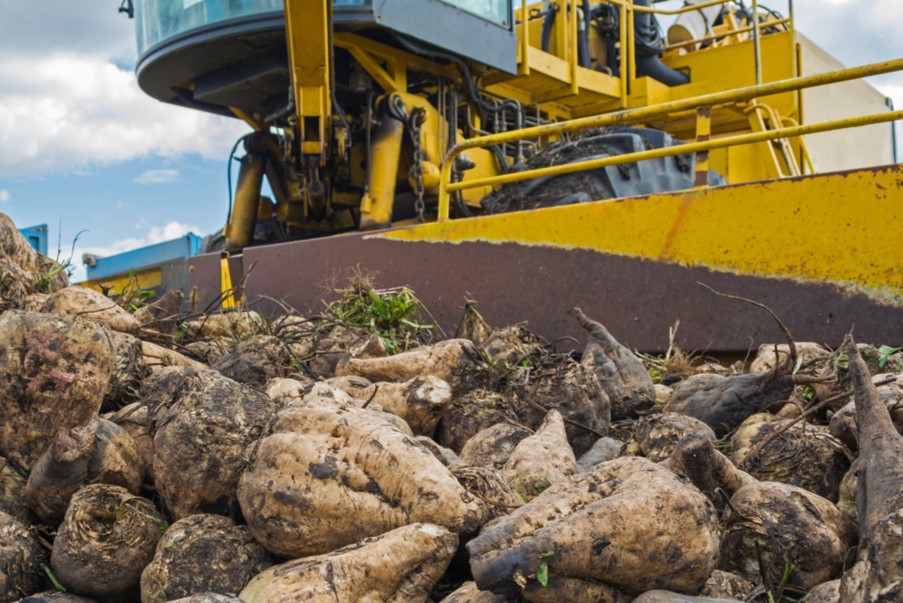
(216, 54)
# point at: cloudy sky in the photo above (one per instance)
(84, 150)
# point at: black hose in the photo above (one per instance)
(547, 23)
(648, 42)
(583, 50)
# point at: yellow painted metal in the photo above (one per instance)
(226, 288)
(695, 147)
(677, 11)
(239, 230)
(376, 209)
(832, 228)
(249, 119)
(388, 65)
(523, 67)
(308, 25)
(647, 114)
(644, 114)
(141, 279)
(703, 134)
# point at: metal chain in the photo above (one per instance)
(415, 121)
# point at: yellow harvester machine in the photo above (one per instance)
(562, 153)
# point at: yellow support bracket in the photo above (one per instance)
(308, 28)
(228, 291)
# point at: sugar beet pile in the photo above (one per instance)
(157, 456)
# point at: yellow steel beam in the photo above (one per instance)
(643, 114)
(703, 134)
(308, 27)
(396, 61)
(249, 119)
(831, 228)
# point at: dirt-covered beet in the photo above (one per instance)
(106, 539)
(604, 450)
(54, 371)
(828, 592)
(696, 459)
(208, 598)
(657, 435)
(587, 527)
(621, 374)
(137, 420)
(770, 355)
(725, 585)
(471, 413)
(572, 389)
(162, 314)
(420, 401)
(93, 305)
(199, 444)
(328, 475)
(202, 554)
(24, 271)
(469, 593)
(99, 452)
(664, 596)
(20, 560)
(450, 360)
(512, 345)
(723, 403)
(801, 454)
(878, 573)
(340, 344)
(257, 360)
(843, 422)
(401, 565)
(491, 447)
(56, 597)
(129, 371)
(12, 493)
(769, 526)
(573, 590)
(543, 459)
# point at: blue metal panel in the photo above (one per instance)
(37, 237)
(143, 258)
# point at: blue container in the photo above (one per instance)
(144, 258)
(37, 237)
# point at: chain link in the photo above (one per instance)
(415, 121)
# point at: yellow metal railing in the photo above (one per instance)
(644, 114)
(627, 11)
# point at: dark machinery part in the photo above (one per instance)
(626, 180)
(649, 45)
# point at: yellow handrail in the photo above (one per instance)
(656, 111)
(683, 149)
(684, 9)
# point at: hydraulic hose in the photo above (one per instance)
(648, 49)
(583, 52)
(547, 23)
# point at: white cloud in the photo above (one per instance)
(155, 234)
(158, 177)
(4, 195)
(66, 112)
(172, 230)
